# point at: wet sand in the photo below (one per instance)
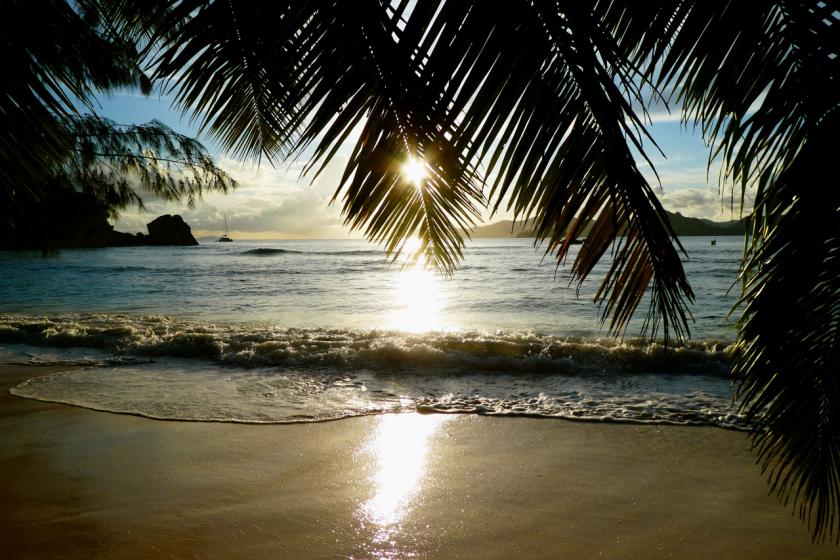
(81, 484)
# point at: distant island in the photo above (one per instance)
(684, 226)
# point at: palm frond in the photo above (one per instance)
(531, 92)
(303, 76)
(212, 63)
(789, 372)
(772, 115)
(547, 115)
(403, 123)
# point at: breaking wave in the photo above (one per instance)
(167, 368)
(262, 345)
(269, 251)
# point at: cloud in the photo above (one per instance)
(657, 108)
(270, 202)
(673, 175)
(304, 214)
(664, 116)
(693, 191)
(669, 108)
(706, 203)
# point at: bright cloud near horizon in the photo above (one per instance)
(269, 203)
(279, 203)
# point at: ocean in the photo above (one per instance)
(296, 331)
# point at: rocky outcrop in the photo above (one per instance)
(169, 230)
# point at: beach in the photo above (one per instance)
(76, 483)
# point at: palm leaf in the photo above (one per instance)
(289, 77)
(206, 55)
(788, 374)
(547, 83)
(772, 116)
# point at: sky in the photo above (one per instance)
(280, 203)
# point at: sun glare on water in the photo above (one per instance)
(417, 302)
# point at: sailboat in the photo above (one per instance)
(225, 238)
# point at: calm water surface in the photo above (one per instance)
(502, 284)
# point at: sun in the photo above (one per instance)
(414, 171)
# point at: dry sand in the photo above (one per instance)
(81, 484)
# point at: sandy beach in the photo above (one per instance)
(75, 483)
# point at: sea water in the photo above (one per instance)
(289, 331)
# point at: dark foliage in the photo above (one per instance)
(57, 56)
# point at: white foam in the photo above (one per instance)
(40, 355)
(200, 391)
(179, 389)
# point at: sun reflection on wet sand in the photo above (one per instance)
(399, 447)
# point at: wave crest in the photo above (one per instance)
(268, 251)
(255, 345)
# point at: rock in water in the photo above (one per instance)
(169, 230)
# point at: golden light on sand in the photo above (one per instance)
(414, 171)
(400, 448)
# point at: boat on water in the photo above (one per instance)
(225, 238)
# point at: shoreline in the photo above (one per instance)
(77, 483)
(423, 411)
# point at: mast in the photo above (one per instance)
(226, 235)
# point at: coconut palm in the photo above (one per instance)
(540, 107)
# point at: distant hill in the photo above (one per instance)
(505, 228)
(684, 226)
